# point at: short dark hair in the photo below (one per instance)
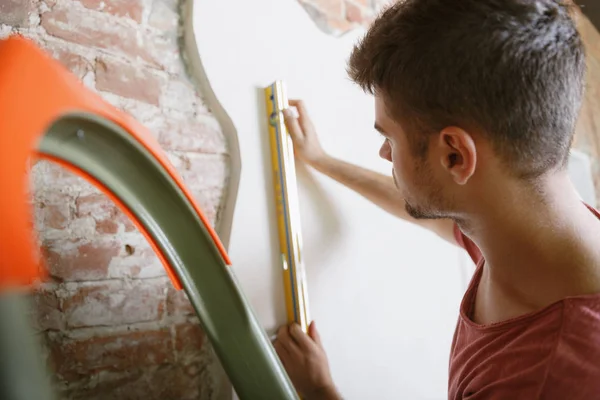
(514, 69)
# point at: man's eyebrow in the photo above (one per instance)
(379, 129)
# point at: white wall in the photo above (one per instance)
(385, 294)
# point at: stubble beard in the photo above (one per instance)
(432, 207)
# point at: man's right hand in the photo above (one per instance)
(306, 143)
(305, 361)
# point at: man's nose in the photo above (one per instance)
(385, 151)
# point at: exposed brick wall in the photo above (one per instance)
(340, 16)
(113, 325)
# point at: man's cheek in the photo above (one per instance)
(399, 179)
(400, 171)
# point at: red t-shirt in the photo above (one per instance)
(550, 354)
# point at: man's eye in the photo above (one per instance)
(385, 138)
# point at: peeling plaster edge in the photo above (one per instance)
(195, 70)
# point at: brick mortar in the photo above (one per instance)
(113, 330)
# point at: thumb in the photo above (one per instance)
(292, 125)
(314, 333)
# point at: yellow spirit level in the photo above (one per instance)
(288, 212)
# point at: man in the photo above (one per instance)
(477, 102)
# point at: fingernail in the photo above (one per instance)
(287, 113)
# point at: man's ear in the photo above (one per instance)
(459, 153)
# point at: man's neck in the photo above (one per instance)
(540, 245)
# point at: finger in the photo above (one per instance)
(299, 104)
(302, 339)
(314, 333)
(303, 118)
(282, 353)
(285, 339)
(282, 332)
(280, 349)
(295, 102)
(292, 125)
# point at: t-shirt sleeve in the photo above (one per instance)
(463, 241)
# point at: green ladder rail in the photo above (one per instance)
(111, 156)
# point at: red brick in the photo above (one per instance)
(113, 303)
(55, 216)
(204, 171)
(331, 8)
(187, 383)
(178, 303)
(75, 63)
(107, 215)
(46, 174)
(120, 385)
(143, 263)
(339, 26)
(47, 310)
(128, 81)
(74, 358)
(329, 22)
(354, 13)
(209, 200)
(126, 385)
(108, 227)
(80, 262)
(14, 12)
(201, 135)
(125, 221)
(121, 8)
(189, 338)
(166, 381)
(96, 205)
(99, 30)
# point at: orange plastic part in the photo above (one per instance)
(35, 91)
